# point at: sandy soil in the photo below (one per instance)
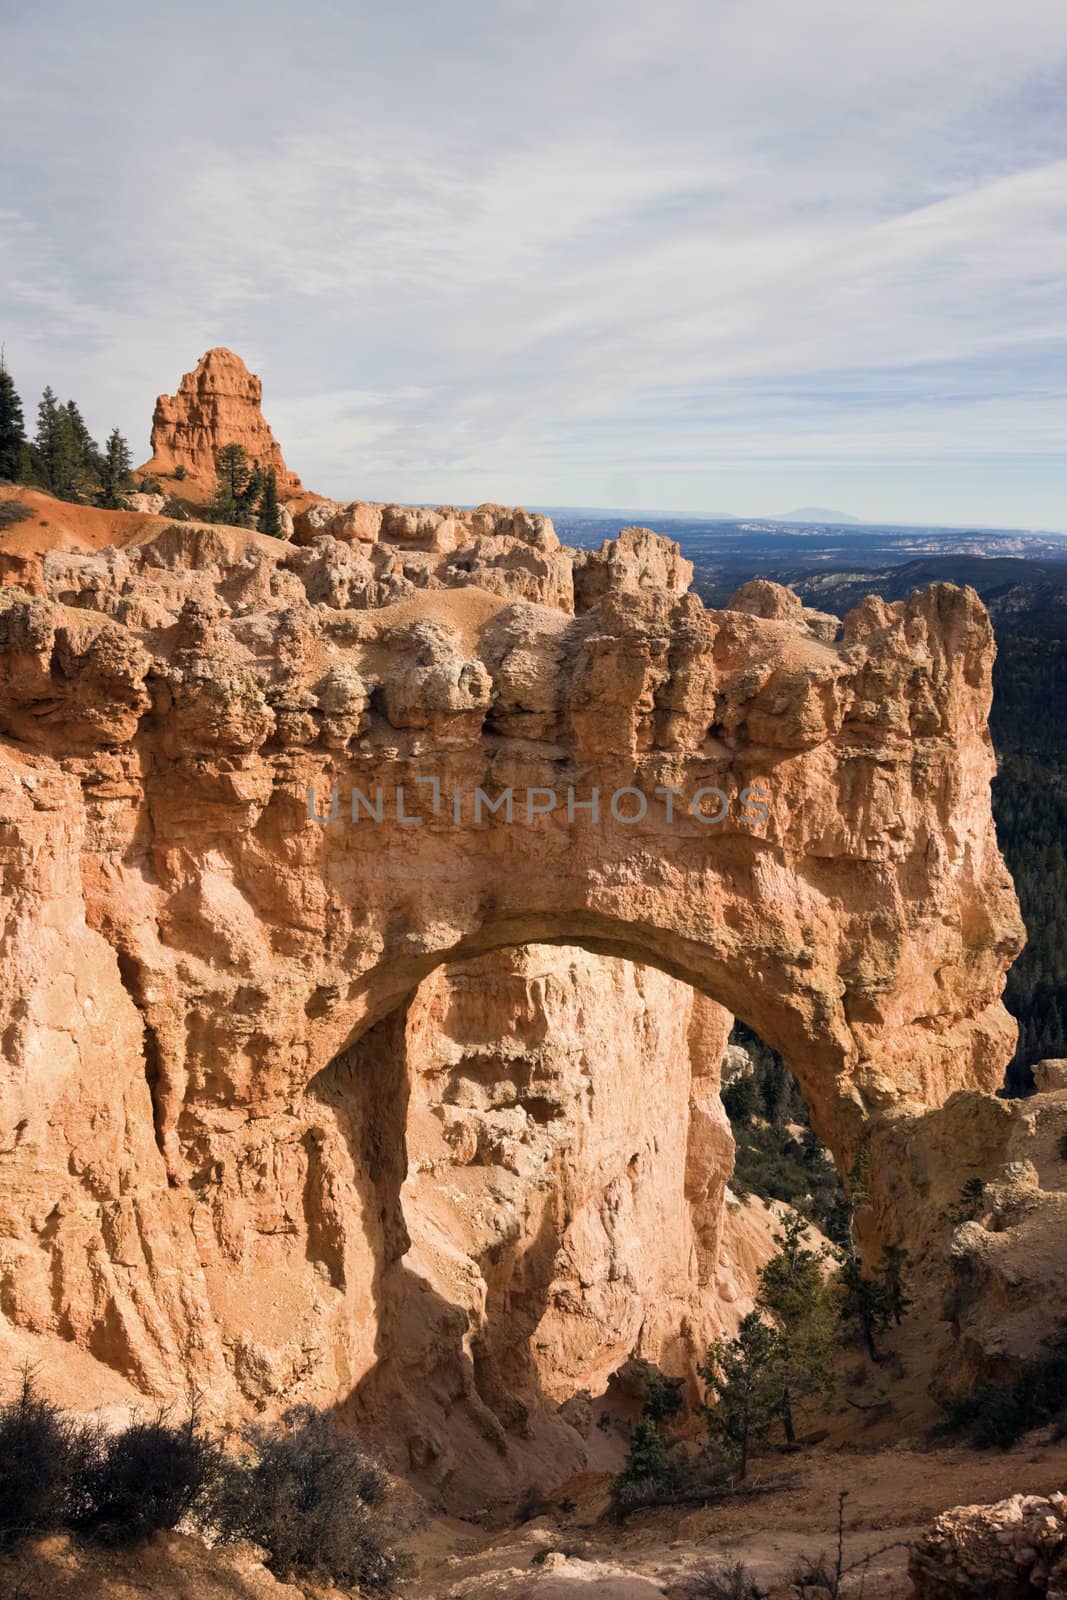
(893, 1494)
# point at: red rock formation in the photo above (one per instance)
(214, 1097)
(218, 403)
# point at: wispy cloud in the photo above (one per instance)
(716, 255)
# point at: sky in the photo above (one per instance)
(719, 256)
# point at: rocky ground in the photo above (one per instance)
(894, 1497)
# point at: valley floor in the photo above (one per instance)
(893, 1495)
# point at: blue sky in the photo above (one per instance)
(707, 255)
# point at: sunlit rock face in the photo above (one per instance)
(281, 1115)
(217, 404)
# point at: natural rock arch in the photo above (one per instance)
(180, 925)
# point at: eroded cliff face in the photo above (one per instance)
(284, 1110)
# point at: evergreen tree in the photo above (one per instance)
(270, 518)
(48, 444)
(663, 1398)
(12, 428)
(862, 1302)
(66, 459)
(794, 1292)
(83, 451)
(890, 1273)
(231, 483)
(647, 1461)
(250, 497)
(744, 1374)
(115, 474)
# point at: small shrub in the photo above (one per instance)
(180, 472)
(663, 1398)
(815, 1573)
(315, 1499)
(12, 511)
(173, 508)
(726, 1581)
(43, 1457)
(968, 1205)
(147, 1478)
(149, 485)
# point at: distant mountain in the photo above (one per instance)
(625, 515)
(835, 519)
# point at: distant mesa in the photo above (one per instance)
(218, 403)
(815, 514)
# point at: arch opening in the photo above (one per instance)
(547, 1183)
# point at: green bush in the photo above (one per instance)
(995, 1416)
(12, 511)
(313, 1496)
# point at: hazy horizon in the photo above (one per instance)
(705, 256)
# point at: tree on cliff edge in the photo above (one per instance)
(115, 475)
(12, 427)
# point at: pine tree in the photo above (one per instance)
(66, 458)
(270, 517)
(47, 442)
(115, 474)
(250, 496)
(84, 451)
(794, 1292)
(232, 475)
(744, 1375)
(862, 1302)
(890, 1272)
(647, 1460)
(12, 427)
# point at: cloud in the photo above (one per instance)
(489, 248)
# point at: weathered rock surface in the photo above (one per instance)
(1009, 1551)
(1006, 1271)
(555, 1228)
(243, 1145)
(218, 403)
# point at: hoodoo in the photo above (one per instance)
(218, 403)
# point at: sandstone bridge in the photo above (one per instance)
(262, 889)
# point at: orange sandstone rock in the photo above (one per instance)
(244, 1146)
(218, 403)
